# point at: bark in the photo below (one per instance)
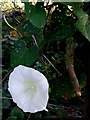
(70, 65)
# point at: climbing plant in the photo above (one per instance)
(51, 38)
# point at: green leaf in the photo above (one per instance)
(37, 15)
(6, 103)
(16, 112)
(27, 27)
(82, 22)
(88, 29)
(28, 8)
(12, 118)
(23, 55)
(30, 29)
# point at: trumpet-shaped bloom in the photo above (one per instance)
(29, 89)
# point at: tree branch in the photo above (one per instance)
(70, 65)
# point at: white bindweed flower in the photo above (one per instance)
(29, 89)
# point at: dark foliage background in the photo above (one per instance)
(51, 38)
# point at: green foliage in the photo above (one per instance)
(50, 34)
(25, 46)
(12, 118)
(36, 14)
(28, 8)
(82, 22)
(88, 29)
(23, 55)
(6, 103)
(26, 29)
(16, 112)
(62, 24)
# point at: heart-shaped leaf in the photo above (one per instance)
(36, 14)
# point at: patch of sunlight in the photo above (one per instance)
(10, 4)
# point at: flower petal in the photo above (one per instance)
(29, 89)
